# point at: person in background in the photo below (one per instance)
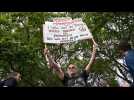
(128, 57)
(12, 79)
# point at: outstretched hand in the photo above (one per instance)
(95, 45)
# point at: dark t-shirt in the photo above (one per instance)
(11, 82)
(78, 81)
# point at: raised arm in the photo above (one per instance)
(52, 64)
(92, 56)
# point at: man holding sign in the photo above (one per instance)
(72, 78)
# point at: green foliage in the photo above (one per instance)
(21, 44)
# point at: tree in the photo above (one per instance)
(21, 45)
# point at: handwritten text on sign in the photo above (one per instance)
(65, 32)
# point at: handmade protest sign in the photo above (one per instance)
(65, 31)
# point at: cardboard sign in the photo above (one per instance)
(65, 31)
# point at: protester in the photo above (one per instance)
(72, 77)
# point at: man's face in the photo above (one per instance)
(72, 70)
(18, 77)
